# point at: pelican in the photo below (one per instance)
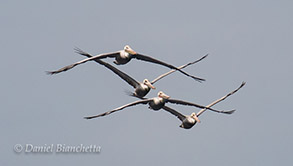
(141, 88)
(81, 52)
(157, 103)
(190, 121)
(123, 57)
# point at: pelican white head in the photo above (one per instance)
(194, 116)
(129, 50)
(148, 83)
(163, 95)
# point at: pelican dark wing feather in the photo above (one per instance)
(175, 101)
(100, 56)
(153, 60)
(191, 63)
(221, 99)
(120, 108)
(181, 67)
(174, 112)
(121, 74)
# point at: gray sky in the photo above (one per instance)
(247, 41)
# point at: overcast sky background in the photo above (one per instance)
(246, 40)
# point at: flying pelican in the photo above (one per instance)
(157, 103)
(81, 52)
(123, 57)
(190, 121)
(141, 88)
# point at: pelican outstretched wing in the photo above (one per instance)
(175, 101)
(173, 70)
(221, 99)
(120, 108)
(100, 56)
(153, 60)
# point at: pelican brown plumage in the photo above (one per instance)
(157, 103)
(123, 57)
(189, 121)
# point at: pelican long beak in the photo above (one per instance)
(163, 95)
(196, 118)
(150, 85)
(129, 50)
